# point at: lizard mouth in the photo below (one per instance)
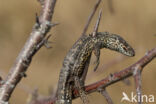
(131, 54)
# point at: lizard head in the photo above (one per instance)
(117, 43)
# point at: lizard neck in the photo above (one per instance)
(100, 40)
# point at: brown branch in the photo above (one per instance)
(113, 78)
(90, 17)
(40, 29)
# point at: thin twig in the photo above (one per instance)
(97, 23)
(90, 17)
(106, 95)
(137, 80)
(40, 29)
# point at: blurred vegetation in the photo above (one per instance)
(133, 20)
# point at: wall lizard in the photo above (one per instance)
(74, 62)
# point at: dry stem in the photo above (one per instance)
(17, 72)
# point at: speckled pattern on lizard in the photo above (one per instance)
(74, 62)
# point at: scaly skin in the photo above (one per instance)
(74, 62)
(63, 93)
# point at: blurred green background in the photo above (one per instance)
(134, 20)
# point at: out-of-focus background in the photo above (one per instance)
(134, 20)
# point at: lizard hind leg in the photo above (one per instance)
(80, 87)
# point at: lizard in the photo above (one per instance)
(74, 62)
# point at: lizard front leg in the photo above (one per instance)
(80, 87)
(97, 54)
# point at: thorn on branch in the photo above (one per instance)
(106, 95)
(44, 42)
(23, 74)
(110, 76)
(37, 25)
(53, 24)
(37, 18)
